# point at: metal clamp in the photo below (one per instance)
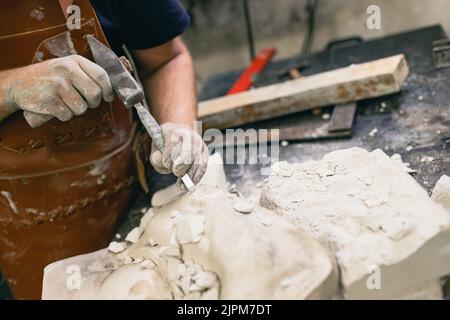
(441, 53)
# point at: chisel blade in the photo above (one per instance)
(128, 90)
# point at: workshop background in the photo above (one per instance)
(218, 42)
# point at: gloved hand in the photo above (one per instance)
(62, 87)
(184, 152)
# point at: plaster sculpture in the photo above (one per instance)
(386, 234)
(207, 244)
(431, 290)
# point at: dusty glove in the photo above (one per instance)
(184, 152)
(61, 87)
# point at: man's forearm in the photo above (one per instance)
(170, 90)
(5, 108)
(168, 76)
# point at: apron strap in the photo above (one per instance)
(64, 5)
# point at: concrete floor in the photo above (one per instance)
(217, 39)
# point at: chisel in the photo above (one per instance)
(130, 92)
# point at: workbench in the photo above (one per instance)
(414, 123)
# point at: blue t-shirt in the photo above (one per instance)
(140, 24)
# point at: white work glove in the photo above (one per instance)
(61, 87)
(184, 152)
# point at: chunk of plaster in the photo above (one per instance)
(243, 206)
(441, 192)
(390, 224)
(133, 235)
(397, 159)
(190, 228)
(282, 169)
(148, 264)
(152, 242)
(138, 260)
(214, 176)
(169, 251)
(117, 247)
(148, 216)
(267, 222)
(128, 260)
(148, 253)
(205, 279)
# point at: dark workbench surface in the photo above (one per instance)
(414, 123)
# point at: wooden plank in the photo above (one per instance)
(353, 83)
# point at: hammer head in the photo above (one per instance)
(126, 87)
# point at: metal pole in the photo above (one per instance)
(248, 24)
(311, 8)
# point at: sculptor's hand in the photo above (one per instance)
(184, 152)
(61, 87)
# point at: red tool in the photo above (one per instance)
(258, 64)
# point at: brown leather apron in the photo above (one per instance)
(63, 185)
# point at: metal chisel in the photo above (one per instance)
(130, 92)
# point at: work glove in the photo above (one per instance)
(61, 87)
(184, 152)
